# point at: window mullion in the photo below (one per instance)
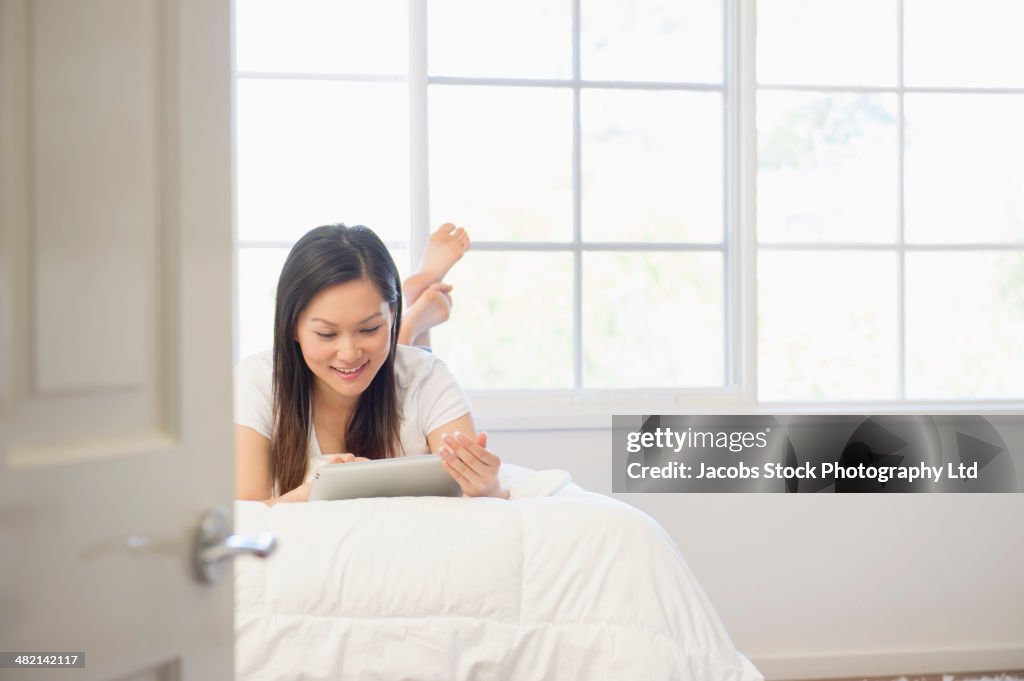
(731, 274)
(743, 248)
(419, 186)
(901, 262)
(577, 206)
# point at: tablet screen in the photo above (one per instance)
(419, 475)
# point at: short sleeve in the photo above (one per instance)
(440, 398)
(254, 393)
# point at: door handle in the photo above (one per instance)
(214, 545)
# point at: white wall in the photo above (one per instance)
(832, 584)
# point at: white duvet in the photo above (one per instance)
(556, 583)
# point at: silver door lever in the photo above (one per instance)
(214, 545)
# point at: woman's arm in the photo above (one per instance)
(466, 458)
(252, 465)
(253, 479)
(463, 424)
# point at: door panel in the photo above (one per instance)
(115, 332)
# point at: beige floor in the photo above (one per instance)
(1016, 675)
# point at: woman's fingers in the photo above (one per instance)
(472, 483)
(465, 483)
(471, 464)
(462, 466)
(478, 450)
(470, 453)
(343, 458)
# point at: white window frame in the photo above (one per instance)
(582, 408)
(900, 247)
(585, 407)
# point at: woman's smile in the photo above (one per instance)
(350, 374)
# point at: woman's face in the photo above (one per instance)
(345, 334)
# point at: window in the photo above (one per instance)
(592, 174)
(890, 204)
(604, 155)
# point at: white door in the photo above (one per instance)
(115, 333)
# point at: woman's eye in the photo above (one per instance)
(326, 336)
(373, 330)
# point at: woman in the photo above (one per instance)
(339, 380)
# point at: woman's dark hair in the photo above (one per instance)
(324, 257)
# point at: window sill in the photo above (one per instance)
(539, 412)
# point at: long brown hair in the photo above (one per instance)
(324, 257)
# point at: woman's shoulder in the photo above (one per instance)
(254, 377)
(429, 393)
(416, 366)
(256, 365)
(412, 361)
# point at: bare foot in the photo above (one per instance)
(445, 246)
(433, 307)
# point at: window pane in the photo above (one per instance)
(511, 323)
(967, 43)
(652, 320)
(322, 36)
(523, 39)
(827, 167)
(965, 168)
(311, 153)
(651, 40)
(965, 322)
(501, 161)
(652, 166)
(827, 42)
(258, 271)
(827, 326)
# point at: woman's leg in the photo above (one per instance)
(444, 248)
(433, 307)
(428, 301)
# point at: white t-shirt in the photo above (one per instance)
(428, 396)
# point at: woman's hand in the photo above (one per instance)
(301, 493)
(343, 458)
(472, 465)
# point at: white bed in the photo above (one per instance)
(556, 583)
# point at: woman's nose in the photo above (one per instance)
(347, 350)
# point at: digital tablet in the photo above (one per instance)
(420, 475)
